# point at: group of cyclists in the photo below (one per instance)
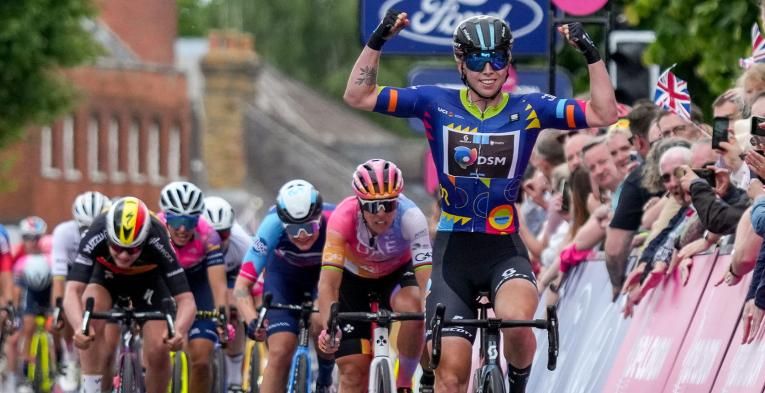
(376, 240)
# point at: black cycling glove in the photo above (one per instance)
(377, 39)
(250, 329)
(583, 42)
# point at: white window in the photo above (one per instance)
(47, 168)
(174, 154)
(134, 152)
(152, 156)
(69, 150)
(115, 168)
(95, 166)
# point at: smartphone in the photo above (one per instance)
(720, 131)
(758, 126)
(706, 174)
(565, 205)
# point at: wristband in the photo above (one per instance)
(730, 270)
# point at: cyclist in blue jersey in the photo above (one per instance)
(289, 245)
(481, 141)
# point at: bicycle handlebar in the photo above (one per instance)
(126, 315)
(550, 324)
(382, 317)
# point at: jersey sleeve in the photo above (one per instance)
(263, 244)
(159, 245)
(415, 229)
(340, 223)
(400, 102)
(559, 113)
(94, 239)
(213, 251)
(59, 251)
(6, 259)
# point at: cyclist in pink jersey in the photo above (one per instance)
(198, 247)
(377, 241)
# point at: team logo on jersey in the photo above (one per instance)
(501, 218)
(474, 154)
(465, 156)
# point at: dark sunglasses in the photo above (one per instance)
(476, 61)
(30, 238)
(665, 178)
(382, 205)
(224, 234)
(175, 222)
(119, 249)
(309, 228)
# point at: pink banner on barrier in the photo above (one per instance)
(709, 335)
(743, 369)
(657, 331)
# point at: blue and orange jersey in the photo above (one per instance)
(480, 157)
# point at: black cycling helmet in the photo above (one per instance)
(482, 32)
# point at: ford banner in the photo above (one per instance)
(433, 23)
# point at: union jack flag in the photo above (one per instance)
(672, 94)
(758, 49)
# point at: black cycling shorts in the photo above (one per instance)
(144, 291)
(467, 263)
(354, 297)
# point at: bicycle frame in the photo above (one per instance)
(381, 320)
(42, 340)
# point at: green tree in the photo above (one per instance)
(39, 38)
(705, 38)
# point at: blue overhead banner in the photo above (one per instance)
(433, 23)
(527, 80)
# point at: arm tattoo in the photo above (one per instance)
(241, 293)
(368, 76)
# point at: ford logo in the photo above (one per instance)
(434, 21)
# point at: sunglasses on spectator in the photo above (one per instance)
(476, 61)
(175, 222)
(665, 178)
(224, 234)
(381, 205)
(119, 249)
(30, 238)
(309, 228)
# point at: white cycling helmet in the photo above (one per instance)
(33, 226)
(298, 202)
(182, 198)
(88, 206)
(219, 213)
(37, 272)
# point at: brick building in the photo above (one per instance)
(130, 133)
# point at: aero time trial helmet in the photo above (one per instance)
(298, 202)
(482, 32)
(88, 206)
(37, 272)
(219, 213)
(128, 222)
(182, 198)
(377, 179)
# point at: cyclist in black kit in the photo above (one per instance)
(126, 254)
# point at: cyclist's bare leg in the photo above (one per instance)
(156, 356)
(453, 372)
(200, 352)
(354, 373)
(281, 346)
(27, 330)
(93, 361)
(517, 299)
(411, 336)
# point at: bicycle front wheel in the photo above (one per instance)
(219, 371)
(130, 375)
(253, 369)
(383, 379)
(299, 382)
(179, 376)
(493, 381)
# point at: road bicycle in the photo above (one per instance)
(489, 378)
(300, 368)
(381, 376)
(41, 370)
(255, 353)
(179, 360)
(129, 378)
